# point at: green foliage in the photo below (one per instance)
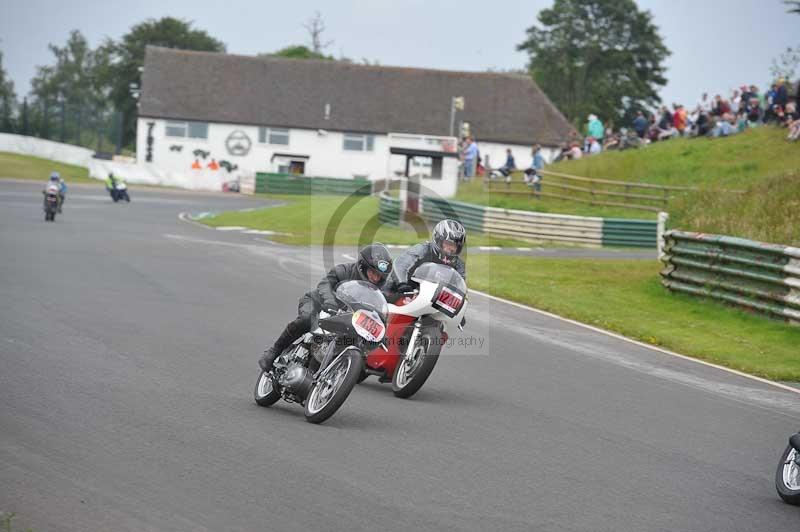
(7, 98)
(119, 62)
(626, 296)
(72, 76)
(299, 51)
(597, 56)
(69, 85)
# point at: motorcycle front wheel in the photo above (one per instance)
(412, 371)
(333, 386)
(787, 476)
(266, 393)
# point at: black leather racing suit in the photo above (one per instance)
(315, 300)
(408, 262)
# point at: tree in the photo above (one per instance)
(8, 98)
(315, 26)
(67, 90)
(298, 51)
(597, 56)
(794, 6)
(787, 64)
(72, 77)
(120, 62)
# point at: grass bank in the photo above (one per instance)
(323, 220)
(17, 166)
(626, 297)
(759, 161)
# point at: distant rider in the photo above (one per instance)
(448, 239)
(111, 185)
(55, 178)
(374, 265)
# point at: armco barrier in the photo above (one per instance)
(528, 225)
(540, 226)
(389, 209)
(435, 209)
(295, 184)
(759, 276)
(625, 232)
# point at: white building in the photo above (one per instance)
(210, 116)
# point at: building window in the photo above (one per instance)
(273, 135)
(192, 130)
(354, 142)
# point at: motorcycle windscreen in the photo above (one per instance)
(452, 290)
(362, 295)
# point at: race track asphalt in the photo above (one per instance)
(128, 347)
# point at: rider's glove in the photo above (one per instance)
(330, 308)
(404, 287)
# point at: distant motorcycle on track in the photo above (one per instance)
(122, 191)
(320, 369)
(117, 189)
(51, 201)
(787, 476)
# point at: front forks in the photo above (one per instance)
(412, 342)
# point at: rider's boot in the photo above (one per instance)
(284, 340)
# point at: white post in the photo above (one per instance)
(403, 195)
(661, 229)
(452, 114)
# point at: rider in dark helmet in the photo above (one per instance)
(374, 265)
(448, 239)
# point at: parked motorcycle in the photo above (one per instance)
(320, 369)
(50, 202)
(787, 476)
(419, 325)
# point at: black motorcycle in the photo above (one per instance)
(787, 476)
(320, 369)
(50, 204)
(118, 191)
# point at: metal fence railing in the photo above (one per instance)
(593, 191)
(77, 124)
(758, 276)
(536, 226)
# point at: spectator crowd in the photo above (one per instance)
(746, 107)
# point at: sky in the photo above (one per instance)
(716, 45)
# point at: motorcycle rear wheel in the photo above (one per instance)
(410, 375)
(334, 386)
(787, 476)
(265, 392)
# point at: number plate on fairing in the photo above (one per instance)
(448, 300)
(369, 325)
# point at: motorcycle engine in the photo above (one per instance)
(297, 380)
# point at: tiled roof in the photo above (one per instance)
(273, 91)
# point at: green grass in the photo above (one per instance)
(17, 166)
(626, 297)
(313, 220)
(473, 192)
(759, 161)
(731, 162)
